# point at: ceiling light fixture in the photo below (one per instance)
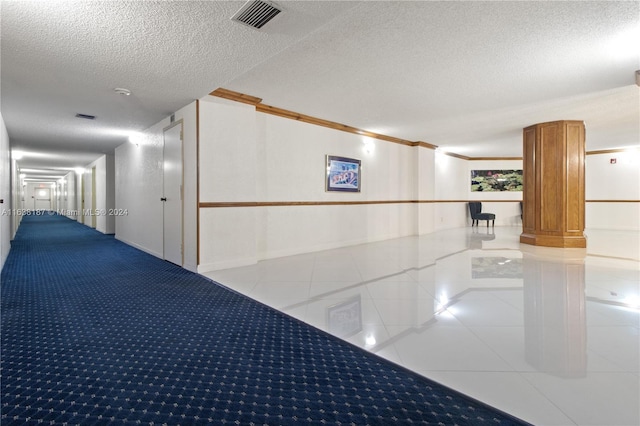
(121, 91)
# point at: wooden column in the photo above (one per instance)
(553, 183)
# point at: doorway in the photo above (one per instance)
(172, 205)
(42, 198)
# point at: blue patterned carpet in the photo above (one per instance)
(96, 332)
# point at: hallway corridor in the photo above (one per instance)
(97, 332)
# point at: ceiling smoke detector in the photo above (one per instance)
(256, 13)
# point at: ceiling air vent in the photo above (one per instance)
(256, 13)
(86, 116)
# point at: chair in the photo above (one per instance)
(475, 208)
(521, 211)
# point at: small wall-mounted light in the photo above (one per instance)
(17, 155)
(121, 91)
(369, 145)
(80, 170)
(135, 138)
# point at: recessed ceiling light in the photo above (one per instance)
(121, 91)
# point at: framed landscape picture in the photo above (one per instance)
(343, 174)
(496, 180)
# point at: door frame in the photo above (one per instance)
(180, 123)
(81, 213)
(94, 219)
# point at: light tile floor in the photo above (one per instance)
(549, 335)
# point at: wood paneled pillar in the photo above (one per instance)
(553, 184)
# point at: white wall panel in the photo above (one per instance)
(227, 151)
(138, 173)
(105, 219)
(294, 230)
(68, 196)
(250, 156)
(607, 181)
(190, 176)
(294, 163)
(426, 183)
(139, 187)
(613, 180)
(614, 216)
(5, 193)
(226, 241)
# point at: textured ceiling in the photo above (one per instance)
(466, 76)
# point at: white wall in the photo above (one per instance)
(603, 181)
(5, 194)
(250, 156)
(426, 181)
(228, 173)
(17, 195)
(453, 182)
(138, 171)
(105, 193)
(79, 194)
(293, 169)
(190, 177)
(67, 204)
(507, 213)
(30, 193)
(139, 187)
(619, 181)
(247, 156)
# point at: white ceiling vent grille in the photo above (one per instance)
(256, 13)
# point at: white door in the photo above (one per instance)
(172, 196)
(42, 198)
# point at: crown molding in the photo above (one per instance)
(268, 109)
(236, 96)
(452, 154)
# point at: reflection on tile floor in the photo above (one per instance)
(549, 335)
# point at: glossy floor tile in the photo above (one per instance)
(549, 335)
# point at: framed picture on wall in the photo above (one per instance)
(343, 174)
(496, 180)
